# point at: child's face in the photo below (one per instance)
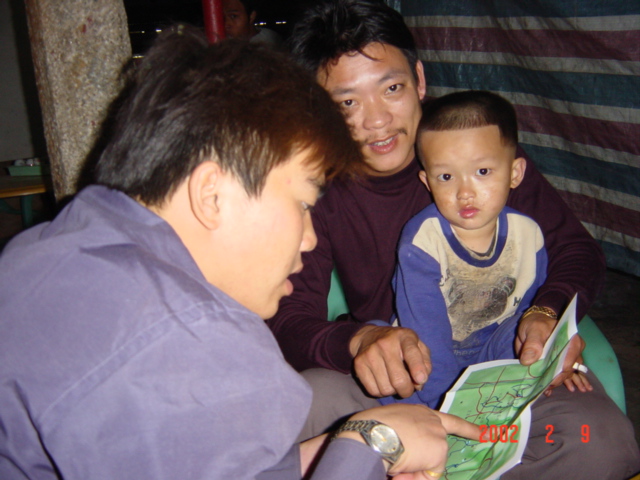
(469, 172)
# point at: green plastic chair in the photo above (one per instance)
(598, 354)
(336, 302)
(601, 359)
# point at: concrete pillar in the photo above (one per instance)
(79, 48)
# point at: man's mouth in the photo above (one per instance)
(382, 147)
(383, 143)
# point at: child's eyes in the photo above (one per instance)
(483, 171)
(444, 177)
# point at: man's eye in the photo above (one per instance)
(483, 171)
(395, 88)
(444, 177)
(347, 103)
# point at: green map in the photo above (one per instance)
(499, 395)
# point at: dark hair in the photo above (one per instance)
(246, 107)
(333, 28)
(249, 6)
(471, 109)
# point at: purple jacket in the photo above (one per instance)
(118, 360)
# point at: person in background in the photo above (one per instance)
(239, 22)
(363, 54)
(132, 339)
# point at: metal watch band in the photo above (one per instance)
(364, 428)
(356, 426)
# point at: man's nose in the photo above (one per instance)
(376, 114)
(309, 237)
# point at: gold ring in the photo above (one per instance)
(433, 474)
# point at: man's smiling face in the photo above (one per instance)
(380, 97)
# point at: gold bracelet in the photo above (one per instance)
(543, 310)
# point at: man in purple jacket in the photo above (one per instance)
(132, 340)
(364, 55)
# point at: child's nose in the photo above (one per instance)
(465, 191)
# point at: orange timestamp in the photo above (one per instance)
(585, 431)
(508, 433)
(498, 433)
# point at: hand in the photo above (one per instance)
(390, 360)
(533, 332)
(569, 376)
(309, 450)
(572, 381)
(423, 433)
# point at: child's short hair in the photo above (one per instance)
(470, 109)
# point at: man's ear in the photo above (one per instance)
(252, 17)
(518, 168)
(204, 187)
(423, 178)
(422, 82)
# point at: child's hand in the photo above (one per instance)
(579, 380)
(576, 379)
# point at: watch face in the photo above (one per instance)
(385, 439)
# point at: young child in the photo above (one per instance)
(468, 266)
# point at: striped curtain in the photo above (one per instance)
(572, 69)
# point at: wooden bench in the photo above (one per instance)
(24, 187)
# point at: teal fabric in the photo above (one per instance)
(336, 303)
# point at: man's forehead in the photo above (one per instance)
(390, 59)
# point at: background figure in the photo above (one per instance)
(239, 22)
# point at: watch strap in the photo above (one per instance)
(364, 427)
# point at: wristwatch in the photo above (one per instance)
(382, 438)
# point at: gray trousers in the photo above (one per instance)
(611, 452)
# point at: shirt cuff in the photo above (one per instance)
(286, 469)
(346, 458)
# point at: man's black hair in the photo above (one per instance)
(250, 6)
(241, 105)
(333, 28)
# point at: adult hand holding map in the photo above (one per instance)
(499, 395)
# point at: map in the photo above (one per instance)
(498, 395)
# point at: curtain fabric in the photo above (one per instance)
(572, 70)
